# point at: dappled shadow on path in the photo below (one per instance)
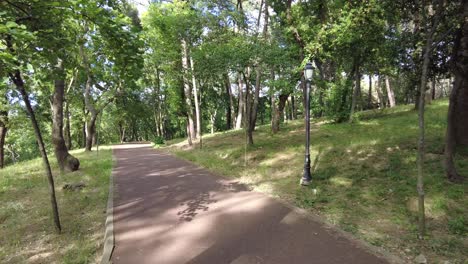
(170, 211)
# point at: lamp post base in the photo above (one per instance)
(305, 182)
(306, 177)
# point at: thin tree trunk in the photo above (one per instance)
(433, 93)
(64, 159)
(18, 81)
(230, 109)
(212, 121)
(240, 107)
(380, 96)
(195, 95)
(67, 128)
(274, 115)
(249, 126)
(369, 96)
(157, 105)
(189, 136)
(421, 109)
(187, 92)
(390, 93)
(91, 124)
(83, 135)
(357, 88)
(293, 108)
(3, 132)
(254, 112)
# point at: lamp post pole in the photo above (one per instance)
(307, 177)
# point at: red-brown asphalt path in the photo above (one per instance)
(169, 211)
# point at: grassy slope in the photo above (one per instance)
(364, 174)
(27, 233)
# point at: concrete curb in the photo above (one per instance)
(109, 241)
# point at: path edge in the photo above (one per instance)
(358, 242)
(109, 241)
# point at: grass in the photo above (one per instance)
(364, 177)
(27, 233)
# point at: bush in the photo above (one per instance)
(158, 141)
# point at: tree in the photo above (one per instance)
(457, 121)
(14, 61)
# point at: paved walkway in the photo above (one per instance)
(169, 211)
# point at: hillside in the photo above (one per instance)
(364, 177)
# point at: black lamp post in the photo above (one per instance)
(308, 73)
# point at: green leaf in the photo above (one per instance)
(11, 24)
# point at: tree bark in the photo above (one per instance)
(457, 121)
(293, 108)
(274, 115)
(3, 132)
(64, 159)
(369, 95)
(91, 123)
(19, 83)
(390, 93)
(67, 127)
(240, 105)
(195, 95)
(278, 112)
(187, 92)
(357, 88)
(249, 109)
(229, 109)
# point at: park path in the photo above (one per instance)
(169, 211)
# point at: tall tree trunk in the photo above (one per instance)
(293, 108)
(67, 127)
(240, 105)
(433, 93)
(187, 92)
(195, 95)
(19, 83)
(254, 112)
(457, 123)
(91, 131)
(421, 142)
(3, 132)
(64, 159)
(249, 123)
(89, 101)
(157, 105)
(390, 93)
(380, 96)
(357, 88)
(229, 109)
(369, 95)
(91, 123)
(188, 129)
(274, 115)
(212, 121)
(83, 135)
